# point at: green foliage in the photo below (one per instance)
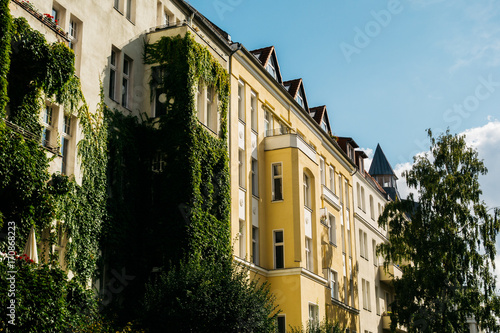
(445, 243)
(45, 301)
(324, 327)
(36, 67)
(5, 38)
(198, 296)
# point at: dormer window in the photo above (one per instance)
(324, 126)
(350, 152)
(300, 100)
(271, 68)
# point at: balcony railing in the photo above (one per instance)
(30, 136)
(44, 18)
(390, 274)
(280, 138)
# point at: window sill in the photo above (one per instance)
(275, 201)
(242, 188)
(118, 10)
(255, 196)
(333, 244)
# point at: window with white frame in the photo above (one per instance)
(324, 126)
(377, 301)
(309, 255)
(313, 314)
(300, 100)
(65, 143)
(365, 286)
(332, 179)
(277, 181)
(279, 249)
(307, 191)
(241, 100)
(241, 168)
(372, 209)
(322, 170)
(349, 247)
(255, 178)
(253, 111)
(363, 244)
(268, 123)
(334, 285)
(255, 245)
(379, 209)
(341, 196)
(358, 192)
(112, 74)
(363, 205)
(346, 188)
(342, 232)
(72, 34)
(271, 68)
(47, 126)
(333, 230)
(243, 245)
(374, 251)
(127, 66)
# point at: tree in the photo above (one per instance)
(444, 241)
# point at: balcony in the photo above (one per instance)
(386, 324)
(392, 272)
(287, 138)
(329, 196)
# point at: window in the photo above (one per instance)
(241, 101)
(271, 68)
(349, 248)
(363, 205)
(346, 187)
(358, 191)
(279, 249)
(365, 286)
(363, 244)
(243, 244)
(112, 75)
(117, 4)
(209, 101)
(377, 301)
(307, 192)
(281, 324)
(72, 34)
(255, 245)
(55, 15)
(129, 10)
(241, 167)
(372, 212)
(341, 197)
(253, 109)
(65, 141)
(47, 126)
(127, 64)
(309, 255)
(277, 185)
(333, 230)
(160, 94)
(300, 100)
(334, 284)
(332, 179)
(342, 231)
(255, 178)
(313, 314)
(322, 171)
(346, 300)
(268, 123)
(374, 249)
(379, 209)
(324, 126)
(387, 301)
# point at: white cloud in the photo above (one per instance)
(367, 161)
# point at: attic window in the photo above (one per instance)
(300, 100)
(324, 126)
(271, 68)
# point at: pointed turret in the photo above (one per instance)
(381, 170)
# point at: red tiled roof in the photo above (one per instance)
(263, 54)
(293, 86)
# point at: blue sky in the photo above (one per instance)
(386, 70)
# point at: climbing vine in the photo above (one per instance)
(5, 36)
